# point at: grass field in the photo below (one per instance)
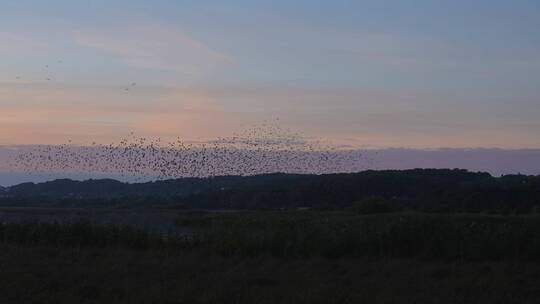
(346, 234)
(277, 257)
(51, 275)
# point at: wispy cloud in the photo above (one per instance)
(20, 41)
(49, 114)
(154, 46)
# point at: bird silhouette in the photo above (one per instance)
(265, 148)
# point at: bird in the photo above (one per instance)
(266, 148)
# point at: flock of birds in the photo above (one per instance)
(46, 71)
(266, 148)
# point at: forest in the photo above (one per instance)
(426, 190)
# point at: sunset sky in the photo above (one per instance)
(369, 73)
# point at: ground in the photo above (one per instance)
(49, 275)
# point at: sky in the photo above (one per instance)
(370, 74)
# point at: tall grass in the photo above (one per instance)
(465, 237)
(309, 234)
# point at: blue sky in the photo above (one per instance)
(417, 74)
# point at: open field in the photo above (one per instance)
(152, 220)
(277, 257)
(52, 275)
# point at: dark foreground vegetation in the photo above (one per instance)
(54, 275)
(278, 257)
(436, 191)
(417, 236)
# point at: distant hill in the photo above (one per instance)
(420, 189)
(110, 189)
